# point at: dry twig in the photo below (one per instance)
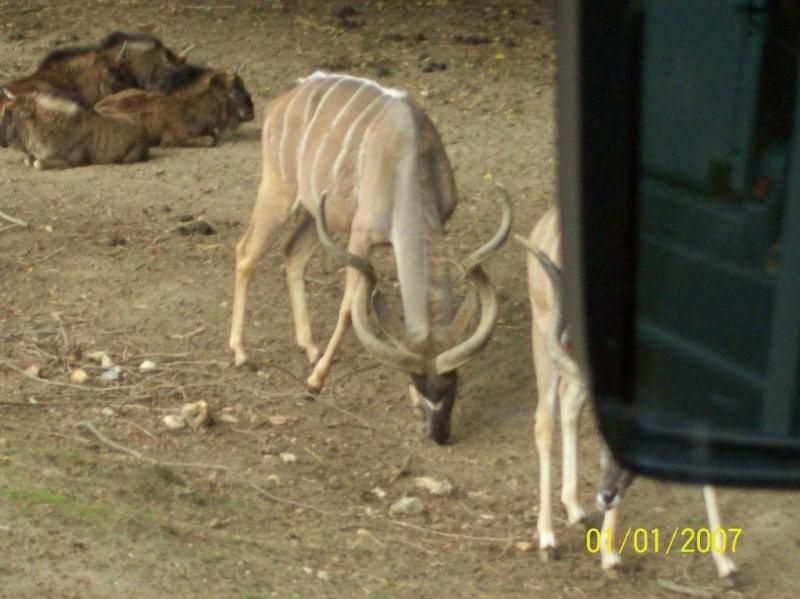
(67, 385)
(682, 589)
(89, 426)
(449, 535)
(14, 221)
(284, 501)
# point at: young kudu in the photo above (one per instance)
(560, 379)
(387, 180)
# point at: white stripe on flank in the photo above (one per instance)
(347, 105)
(362, 148)
(285, 135)
(56, 104)
(322, 143)
(313, 120)
(389, 91)
(343, 153)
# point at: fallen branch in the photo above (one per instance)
(290, 502)
(400, 471)
(67, 385)
(89, 426)
(355, 417)
(449, 535)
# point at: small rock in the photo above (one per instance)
(229, 418)
(32, 401)
(433, 486)
(116, 240)
(523, 546)
(112, 374)
(79, 376)
(173, 421)
(106, 361)
(147, 366)
(410, 506)
(277, 420)
(97, 356)
(48, 228)
(199, 227)
(322, 575)
(33, 370)
(196, 414)
(378, 492)
(432, 67)
(288, 457)
(107, 412)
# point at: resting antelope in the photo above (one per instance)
(388, 181)
(559, 377)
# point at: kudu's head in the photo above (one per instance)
(614, 481)
(431, 368)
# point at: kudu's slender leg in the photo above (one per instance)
(547, 385)
(358, 246)
(724, 563)
(299, 250)
(572, 400)
(609, 540)
(269, 213)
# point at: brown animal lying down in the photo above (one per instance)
(58, 132)
(120, 61)
(196, 105)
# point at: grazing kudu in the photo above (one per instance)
(388, 180)
(561, 380)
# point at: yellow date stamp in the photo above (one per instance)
(655, 540)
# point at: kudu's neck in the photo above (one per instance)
(422, 265)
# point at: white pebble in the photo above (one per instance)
(112, 374)
(79, 376)
(410, 506)
(174, 422)
(147, 366)
(433, 486)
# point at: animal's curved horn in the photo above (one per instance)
(121, 52)
(552, 343)
(360, 264)
(8, 94)
(399, 357)
(451, 359)
(565, 365)
(239, 67)
(185, 52)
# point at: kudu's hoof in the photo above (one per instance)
(311, 393)
(548, 554)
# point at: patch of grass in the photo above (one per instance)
(70, 508)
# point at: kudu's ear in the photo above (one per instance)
(8, 94)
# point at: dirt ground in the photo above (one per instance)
(219, 512)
